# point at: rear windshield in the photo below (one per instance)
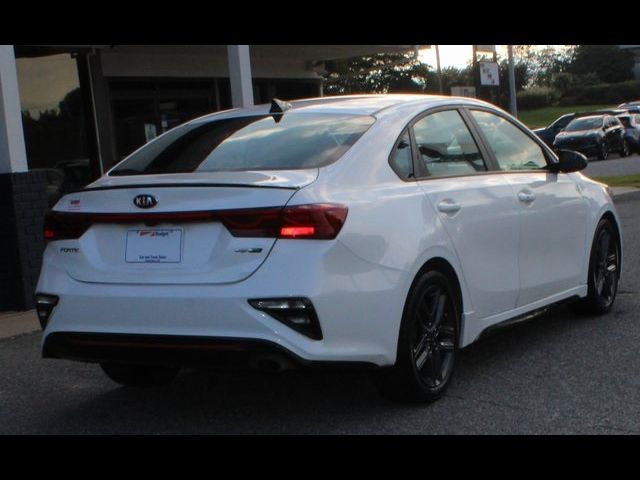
(588, 123)
(294, 140)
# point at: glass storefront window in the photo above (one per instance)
(53, 120)
(145, 108)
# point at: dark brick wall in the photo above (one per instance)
(23, 203)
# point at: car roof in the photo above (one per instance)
(588, 116)
(371, 104)
(592, 115)
(352, 104)
(604, 111)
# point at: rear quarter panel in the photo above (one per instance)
(391, 227)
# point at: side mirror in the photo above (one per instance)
(569, 161)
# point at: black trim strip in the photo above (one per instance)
(525, 317)
(223, 352)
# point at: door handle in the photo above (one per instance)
(526, 197)
(449, 206)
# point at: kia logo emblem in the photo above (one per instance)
(145, 201)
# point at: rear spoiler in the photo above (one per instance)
(174, 185)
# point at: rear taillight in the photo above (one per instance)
(65, 226)
(321, 221)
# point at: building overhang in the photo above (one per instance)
(298, 52)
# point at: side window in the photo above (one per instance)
(401, 159)
(514, 149)
(446, 146)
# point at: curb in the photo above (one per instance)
(621, 191)
(13, 324)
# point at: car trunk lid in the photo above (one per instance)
(179, 239)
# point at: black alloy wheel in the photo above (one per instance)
(604, 151)
(428, 342)
(625, 148)
(434, 337)
(605, 268)
(604, 272)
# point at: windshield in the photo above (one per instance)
(562, 121)
(294, 140)
(588, 123)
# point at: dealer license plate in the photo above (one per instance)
(154, 245)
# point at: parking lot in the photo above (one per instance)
(559, 373)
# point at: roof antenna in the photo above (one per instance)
(278, 107)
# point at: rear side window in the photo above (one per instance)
(446, 146)
(295, 140)
(401, 158)
(514, 149)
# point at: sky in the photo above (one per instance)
(460, 55)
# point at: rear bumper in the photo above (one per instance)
(177, 351)
(359, 314)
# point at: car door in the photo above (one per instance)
(553, 213)
(612, 133)
(618, 129)
(474, 205)
(635, 130)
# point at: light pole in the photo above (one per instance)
(439, 70)
(513, 105)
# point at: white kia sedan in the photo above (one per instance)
(385, 231)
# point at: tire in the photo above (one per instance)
(625, 149)
(603, 152)
(139, 375)
(604, 272)
(427, 343)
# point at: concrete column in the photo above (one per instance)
(13, 155)
(240, 75)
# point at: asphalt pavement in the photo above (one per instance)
(556, 374)
(614, 165)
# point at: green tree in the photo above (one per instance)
(451, 77)
(380, 73)
(610, 63)
(520, 69)
(547, 63)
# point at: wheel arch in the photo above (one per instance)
(608, 215)
(443, 266)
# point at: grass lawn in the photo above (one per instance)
(542, 117)
(621, 180)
